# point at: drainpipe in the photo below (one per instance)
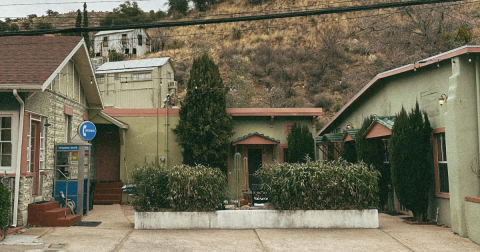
(477, 84)
(19, 156)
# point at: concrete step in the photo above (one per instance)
(107, 197)
(36, 212)
(108, 190)
(107, 201)
(57, 213)
(66, 221)
(109, 185)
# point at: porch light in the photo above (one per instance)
(443, 98)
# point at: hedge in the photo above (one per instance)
(181, 188)
(4, 207)
(336, 185)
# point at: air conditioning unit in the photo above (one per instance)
(172, 84)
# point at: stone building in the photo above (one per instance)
(47, 88)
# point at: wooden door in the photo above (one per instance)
(108, 153)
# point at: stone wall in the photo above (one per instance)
(50, 106)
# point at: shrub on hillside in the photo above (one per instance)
(336, 185)
(4, 207)
(181, 188)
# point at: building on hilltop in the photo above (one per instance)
(131, 43)
(141, 83)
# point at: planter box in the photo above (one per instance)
(253, 219)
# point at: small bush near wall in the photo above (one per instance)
(4, 207)
(181, 188)
(336, 185)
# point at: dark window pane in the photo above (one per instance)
(6, 122)
(6, 160)
(443, 177)
(5, 148)
(6, 135)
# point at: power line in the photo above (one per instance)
(236, 19)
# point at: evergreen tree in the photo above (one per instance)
(78, 22)
(348, 152)
(411, 160)
(300, 144)
(371, 151)
(85, 24)
(205, 127)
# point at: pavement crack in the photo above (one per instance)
(397, 240)
(260, 240)
(123, 239)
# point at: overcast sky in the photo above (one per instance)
(22, 8)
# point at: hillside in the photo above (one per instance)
(317, 61)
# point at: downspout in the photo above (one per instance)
(19, 156)
(477, 85)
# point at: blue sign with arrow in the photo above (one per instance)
(87, 130)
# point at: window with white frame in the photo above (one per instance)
(141, 76)
(68, 128)
(442, 165)
(36, 136)
(6, 143)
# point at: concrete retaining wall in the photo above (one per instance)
(251, 219)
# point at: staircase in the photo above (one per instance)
(108, 193)
(49, 214)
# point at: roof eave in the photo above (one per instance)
(428, 61)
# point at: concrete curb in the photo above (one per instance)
(253, 219)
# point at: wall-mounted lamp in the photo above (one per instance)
(349, 125)
(443, 98)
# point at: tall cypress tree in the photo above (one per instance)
(300, 144)
(205, 127)
(85, 24)
(411, 160)
(78, 22)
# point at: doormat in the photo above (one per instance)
(88, 223)
(395, 213)
(103, 204)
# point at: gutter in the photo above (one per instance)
(19, 157)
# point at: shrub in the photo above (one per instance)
(181, 188)
(150, 188)
(4, 207)
(114, 56)
(336, 185)
(301, 144)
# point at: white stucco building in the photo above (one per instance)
(132, 43)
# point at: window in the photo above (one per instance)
(287, 128)
(100, 78)
(134, 51)
(140, 37)
(142, 76)
(6, 144)
(441, 163)
(105, 41)
(68, 128)
(124, 39)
